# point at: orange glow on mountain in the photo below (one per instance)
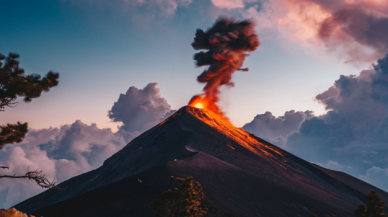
(202, 102)
(238, 135)
(212, 115)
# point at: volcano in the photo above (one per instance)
(242, 175)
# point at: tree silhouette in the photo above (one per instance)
(36, 175)
(375, 207)
(11, 133)
(13, 84)
(183, 201)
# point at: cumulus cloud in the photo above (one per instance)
(352, 133)
(376, 176)
(276, 129)
(356, 124)
(60, 152)
(76, 148)
(139, 109)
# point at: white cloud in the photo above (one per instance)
(376, 176)
(59, 153)
(229, 4)
(76, 148)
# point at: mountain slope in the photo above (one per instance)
(242, 175)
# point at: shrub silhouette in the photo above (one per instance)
(183, 201)
(374, 207)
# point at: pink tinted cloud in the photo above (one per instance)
(353, 29)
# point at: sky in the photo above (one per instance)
(125, 65)
(101, 49)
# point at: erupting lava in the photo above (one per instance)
(227, 43)
(199, 105)
(198, 102)
(204, 103)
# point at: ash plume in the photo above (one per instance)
(227, 42)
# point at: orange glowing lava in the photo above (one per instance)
(202, 102)
(198, 102)
(198, 105)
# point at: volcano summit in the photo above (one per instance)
(242, 175)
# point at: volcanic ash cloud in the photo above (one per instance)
(227, 42)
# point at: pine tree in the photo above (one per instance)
(183, 201)
(11, 133)
(375, 207)
(13, 84)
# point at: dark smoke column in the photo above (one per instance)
(227, 43)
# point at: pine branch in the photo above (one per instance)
(11, 133)
(37, 176)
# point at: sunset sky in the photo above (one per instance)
(102, 48)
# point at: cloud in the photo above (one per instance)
(334, 166)
(157, 7)
(276, 129)
(228, 4)
(76, 148)
(356, 25)
(376, 176)
(139, 109)
(60, 152)
(352, 29)
(165, 6)
(85, 144)
(352, 132)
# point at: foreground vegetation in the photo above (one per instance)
(374, 207)
(182, 201)
(13, 84)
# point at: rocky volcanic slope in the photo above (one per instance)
(242, 175)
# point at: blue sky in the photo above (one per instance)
(102, 48)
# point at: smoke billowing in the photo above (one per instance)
(227, 43)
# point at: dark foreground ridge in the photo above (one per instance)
(242, 175)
